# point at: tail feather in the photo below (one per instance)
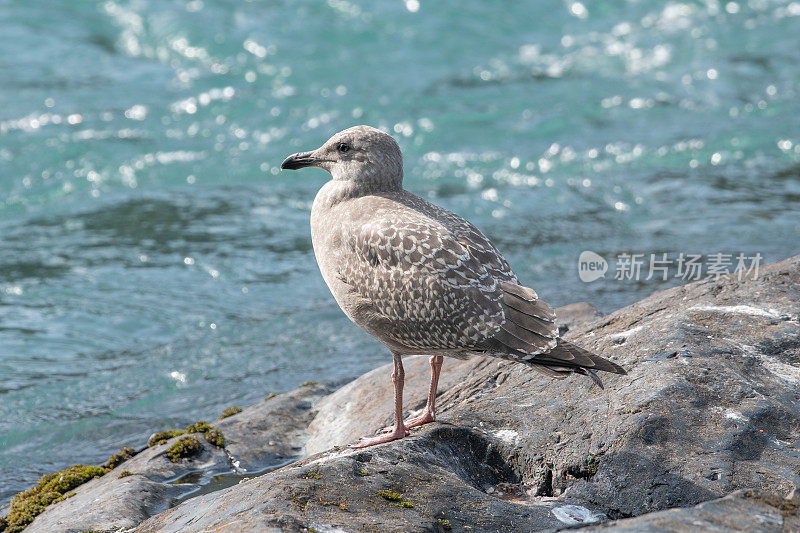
(584, 358)
(529, 335)
(567, 358)
(552, 372)
(593, 375)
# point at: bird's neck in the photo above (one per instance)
(368, 179)
(338, 190)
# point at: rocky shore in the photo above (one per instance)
(703, 433)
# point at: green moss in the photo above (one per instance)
(185, 447)
(300, 498)
(270, 396)
(51, 488)
(120, 457)
(312, 475)
(390, 495)
(789, 506)
(363, 473)
(444, 523)
(591, 466)
(786, 506)
(201, 426)
(230, 411)
(66, 496)
(310, 383)
(163, 436)
(396, 498)
(124, 473)
(214, 436)
(330, 503)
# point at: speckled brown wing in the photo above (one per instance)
(529, 329)
(434, 283)
(473, 240)
(427, 288)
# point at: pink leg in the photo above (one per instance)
(398, 431)
(429, 413)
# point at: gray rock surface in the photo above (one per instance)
(747, 511)
(274, 431)
(441, 476)
(156, 466)
(111, 502)
(268, 434)
(575, 315)
(711, 404)
(107, 504)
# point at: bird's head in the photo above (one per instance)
(361, 154)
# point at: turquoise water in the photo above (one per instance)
(156, 267)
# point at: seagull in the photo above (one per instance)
(421, 279)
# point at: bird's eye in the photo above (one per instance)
(344, 147)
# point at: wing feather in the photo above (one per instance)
(426, 289)
(536, 308)
(531, 342)
(531, 323)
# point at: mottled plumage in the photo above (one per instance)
(417, 277)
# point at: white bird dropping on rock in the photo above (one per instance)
(420, 279)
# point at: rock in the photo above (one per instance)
(112, 501)
(710, 406)
(156, 466)
(273, 431)
(573, 316)
(417, 484)
(268, 434)
(107, 504)
(748, 511)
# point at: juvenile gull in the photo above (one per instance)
(419, 278)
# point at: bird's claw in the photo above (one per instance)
(413, 422)
(394, 434)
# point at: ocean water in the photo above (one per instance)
(156, 266)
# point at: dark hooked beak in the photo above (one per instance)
(301, 160)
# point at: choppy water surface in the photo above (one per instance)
(156, 267)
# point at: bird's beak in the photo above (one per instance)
(300, 160)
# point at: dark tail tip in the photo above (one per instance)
(600, 363)
(608, 366)
(597, 381)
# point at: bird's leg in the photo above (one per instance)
(399, 430)
(429, 413)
